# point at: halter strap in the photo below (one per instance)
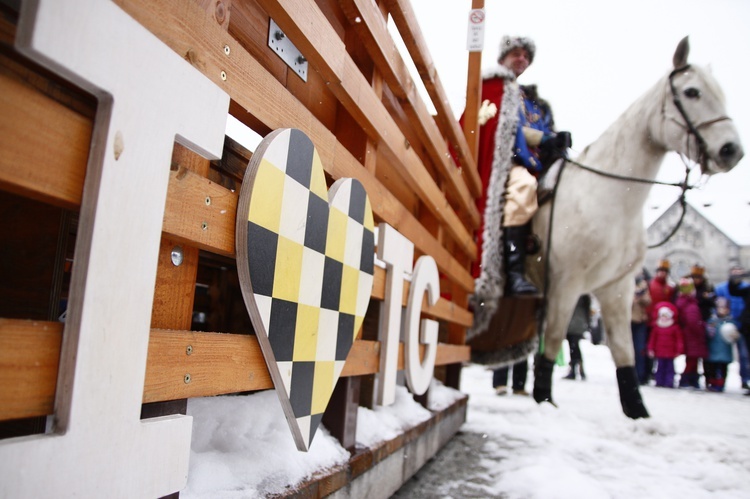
(692, 128)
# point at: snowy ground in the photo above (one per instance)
(695, 445)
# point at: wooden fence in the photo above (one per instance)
(360, 107)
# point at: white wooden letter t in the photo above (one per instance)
(148, 98)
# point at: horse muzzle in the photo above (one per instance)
(726, 158)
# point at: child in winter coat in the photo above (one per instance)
(721, 334)
(665, 342)
(693, 332)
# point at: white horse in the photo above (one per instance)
(597, 235)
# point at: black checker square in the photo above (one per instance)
(367, 259)
(317, 223)
(281, 330)
(300, 158)
(332, 274)
(261, 251)
(345, 337)
(357, 202)
(301, 391)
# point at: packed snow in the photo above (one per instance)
(695, 445)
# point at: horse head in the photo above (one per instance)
(695, 122)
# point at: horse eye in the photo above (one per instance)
(692, 93)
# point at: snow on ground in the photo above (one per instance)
(695, 445)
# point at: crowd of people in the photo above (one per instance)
(709, 325)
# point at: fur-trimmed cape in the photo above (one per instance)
(488, 287)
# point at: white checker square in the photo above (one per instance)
(343, 194)
(304, 427)
(338, 367)
(363, 293)
(326, 350)
(264, 309)
(311, 282)
(353, 246)
(293, 224)
(278, 151)
(285, 371)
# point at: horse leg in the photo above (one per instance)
(616, 304)
(559, 311)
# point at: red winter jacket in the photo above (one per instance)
(665, 342)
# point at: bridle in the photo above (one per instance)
(691, 128)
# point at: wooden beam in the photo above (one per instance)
(406, 22)
(372, 29)
(255, 90)
(181, 364)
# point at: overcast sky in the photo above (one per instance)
(595, 57)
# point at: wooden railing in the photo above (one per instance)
(361, 110)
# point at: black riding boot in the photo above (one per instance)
(630, 395)
(515, 260)
(543, 379)
(572, 373)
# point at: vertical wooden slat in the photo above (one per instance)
(473, 95)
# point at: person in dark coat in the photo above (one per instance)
(704, 291)
(736, 288)
(693, 332)
(578, 325)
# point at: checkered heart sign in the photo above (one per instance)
(305, 261)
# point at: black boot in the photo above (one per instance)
(515, 262)
(572, 373)
(580, 372)
(543, 379)
(630, 395)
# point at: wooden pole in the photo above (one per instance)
(473, 94)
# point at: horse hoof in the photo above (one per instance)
(630, 395)
(638, 412)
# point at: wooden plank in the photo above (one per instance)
(200, 212)
(406, 22)
(216, 364)
(29, 359)
(250, 85)
(375, 37)
(306, 25)
(48, 139)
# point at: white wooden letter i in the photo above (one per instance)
(148, 97)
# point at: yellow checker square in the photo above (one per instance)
(288, 270)
(336, 240)
(348, 299)
(318, 179)
(369, 220)
(322, 386)
(306, 333)
(265, 203)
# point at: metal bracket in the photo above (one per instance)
(285, 49)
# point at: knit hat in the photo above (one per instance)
(665, 314)
(686, 286)
(697, 271)
(508, 43)
(664, 265)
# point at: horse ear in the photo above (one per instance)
(681, 54)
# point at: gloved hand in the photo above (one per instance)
(555, 145)
(563, 140)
